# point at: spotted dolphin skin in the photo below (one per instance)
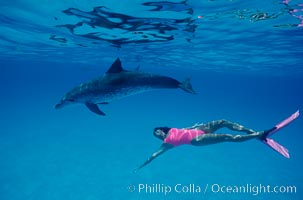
(117, 83)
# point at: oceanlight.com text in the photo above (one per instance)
(251, 189)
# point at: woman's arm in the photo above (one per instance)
(164, 147)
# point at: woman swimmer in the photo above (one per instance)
(203, 134)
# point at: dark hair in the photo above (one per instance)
(165, 129)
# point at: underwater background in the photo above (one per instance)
(245, 62)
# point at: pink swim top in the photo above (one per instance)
(178, 137)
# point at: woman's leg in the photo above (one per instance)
(212, 138)
(217, 124)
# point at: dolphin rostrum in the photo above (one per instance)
(117, 83)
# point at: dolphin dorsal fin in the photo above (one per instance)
(116, 67)
(137, 68)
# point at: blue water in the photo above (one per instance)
(245, 63)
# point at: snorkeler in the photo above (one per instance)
(203, 134)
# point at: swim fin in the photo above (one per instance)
(277, 147)
(273, 144)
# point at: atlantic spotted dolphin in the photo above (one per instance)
(117, 83)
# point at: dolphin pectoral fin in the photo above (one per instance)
(104, 103)
(94, 108)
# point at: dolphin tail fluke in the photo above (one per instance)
(186, 86)
(94, 108)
